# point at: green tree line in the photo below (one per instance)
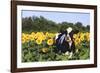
(35, 24)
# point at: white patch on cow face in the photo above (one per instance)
(68, 36)
(70, 43)
(69, 29)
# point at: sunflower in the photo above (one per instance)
(50, 42)
(88, 36)
(33, 33)
(44, 50)
(23, 40)
(38, 41)
(77, 41)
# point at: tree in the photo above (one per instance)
(26, 24)
(78, 24)
(35, 24)
(88, 27)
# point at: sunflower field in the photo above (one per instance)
(39, 46)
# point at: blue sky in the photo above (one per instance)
(58, 17)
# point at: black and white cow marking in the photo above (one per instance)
(64, 42)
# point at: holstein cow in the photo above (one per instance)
(65, 43)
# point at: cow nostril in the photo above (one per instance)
(67, 38)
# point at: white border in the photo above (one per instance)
(53, 63)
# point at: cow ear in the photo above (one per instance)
(75, 31)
